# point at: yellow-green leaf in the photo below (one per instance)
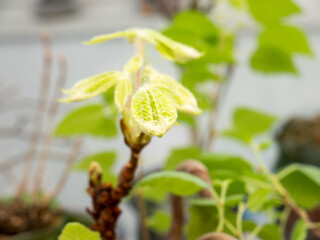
(133, 65)
(77, 231)
(122, 93)
(152, 112)
(130, 33)
(167, 47)
(92, 86)
(179, 96)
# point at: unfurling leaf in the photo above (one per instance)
(92, 86)
(76, 231)
(179, 96)
(122, 93)
(167, 47)
(152, 112)
(133, 65)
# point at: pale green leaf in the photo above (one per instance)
(287, 38)
(272, 11)
(122, 93)
(168, 48)
(303, 184)
(130, 33)
(179, 96)
(300, 230)
(76, 231)
(178, 183)
(133, 65)
(87, 120)
(93, 86)
(159, 222)
(272, 60)
(152, 112)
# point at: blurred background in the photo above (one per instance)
(69, 22)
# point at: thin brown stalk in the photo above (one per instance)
(38, 121)
(48, 137)
(143, 216)
(65, 173)
(217, 101)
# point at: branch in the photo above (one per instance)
(38, 121)
(48, 138)
(105, 198)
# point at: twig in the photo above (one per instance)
(143, 216)
(216, 105)
(105, 198)
(37, 124)
(65, 174)
(48, 138)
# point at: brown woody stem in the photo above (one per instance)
(106, 199)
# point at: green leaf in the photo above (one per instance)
(178, 183)
(151, 194)
(87, 120)
(273, 11)
(224, 166)
(159, 222)
(272, 60)
(252, 121)
(178, 155)
(230, 201)
(257, 199)
(92, 86)
(152, 112)
(300, 230)
(303, 184)
(248, 123)
(105, 159)
(180, 97)
(287, 38)
(76, 231)
(203, 219)
(270, 231)
(133, 65)
(122, 93)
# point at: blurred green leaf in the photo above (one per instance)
(272, 60)
(159, 222)
(300, 230)
(303, 184)
(225, 166)
(87, 120)
(272, 11)
(178, 155)
(230, 201)
(270, 231)
(105, 159)
(152, 194)
(178, 183)
(287, 38)
(76, 231)
(257, 199)
(203, 219)
(248, 123)
(187, 119)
